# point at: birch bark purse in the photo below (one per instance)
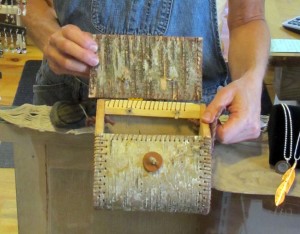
(156, 77)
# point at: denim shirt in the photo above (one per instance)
(190, 18)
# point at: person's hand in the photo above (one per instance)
(71, 51)
(242, 98)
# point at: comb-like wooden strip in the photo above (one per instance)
(177, 110)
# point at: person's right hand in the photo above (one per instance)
(71, 51)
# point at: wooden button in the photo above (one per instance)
(152, 161)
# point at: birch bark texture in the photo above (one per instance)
(147, 67)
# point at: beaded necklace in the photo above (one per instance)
(283, 165)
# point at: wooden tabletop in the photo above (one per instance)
(278, 11)
(11, 67)
(244, 168)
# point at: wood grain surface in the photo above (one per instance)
(8, 207)
(11, 67)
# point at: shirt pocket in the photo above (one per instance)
(147, 17)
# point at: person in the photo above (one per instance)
(63, 30)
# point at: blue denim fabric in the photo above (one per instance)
(190, 18)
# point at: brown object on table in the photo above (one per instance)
(152, 161)
(158, 76)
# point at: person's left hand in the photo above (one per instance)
(242, 99)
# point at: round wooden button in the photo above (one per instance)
(152, 161)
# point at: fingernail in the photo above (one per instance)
(94, 48)
(94, 61)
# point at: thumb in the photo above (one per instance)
(222, 99)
